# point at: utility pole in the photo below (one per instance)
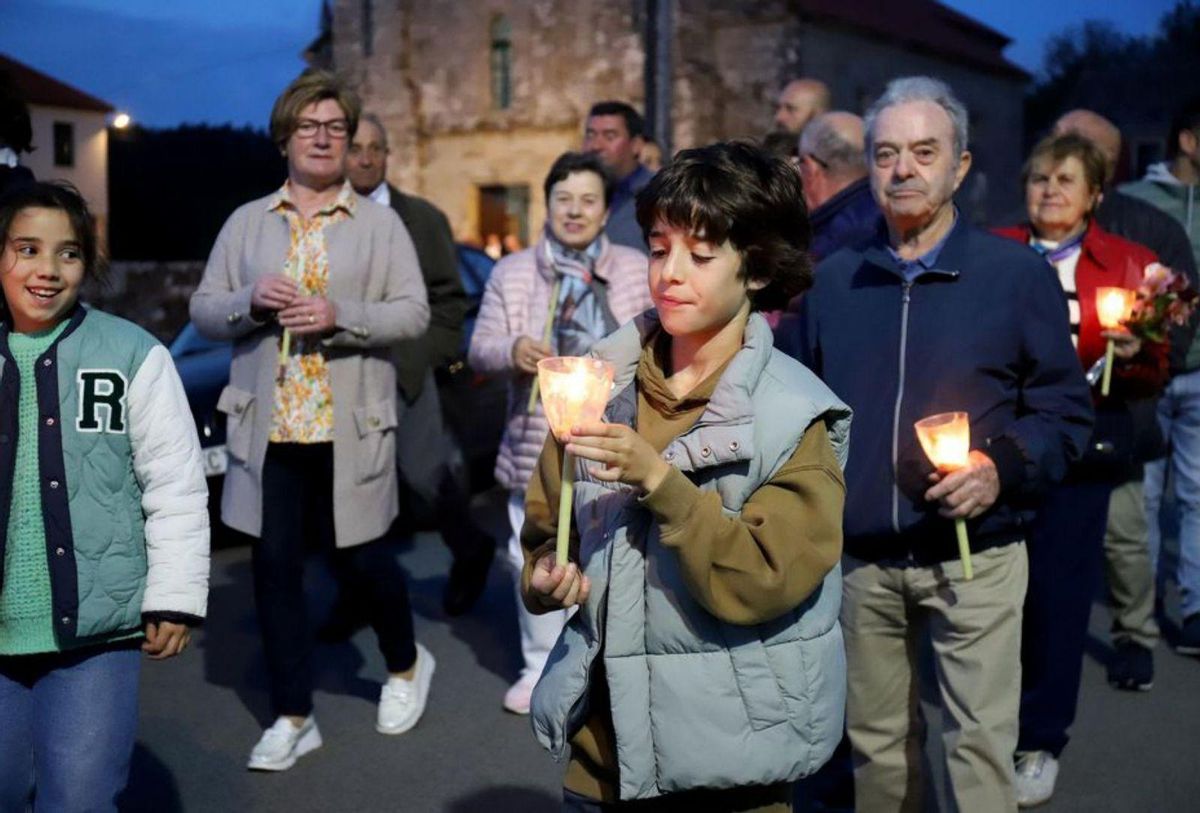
(659, 28)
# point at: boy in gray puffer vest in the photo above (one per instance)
(705, 664)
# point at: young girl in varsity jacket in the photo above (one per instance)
(704, 668)
(104, 535)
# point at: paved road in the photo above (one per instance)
(202, 713)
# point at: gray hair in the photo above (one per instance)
(842, 158)
(920, 89)
(374, 119)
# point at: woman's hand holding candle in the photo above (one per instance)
(966, 492)
(271, 293)
(1125, 345)
(527, 353)
(309, 315)
(557, 586)
(626, 455)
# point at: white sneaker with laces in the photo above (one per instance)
(282, 744)
(519, 695)
(1037, 771)
(402, 702)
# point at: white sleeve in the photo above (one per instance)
(167, 464)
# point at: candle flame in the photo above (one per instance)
(946, 439)
(1113, 306)
(574, 390)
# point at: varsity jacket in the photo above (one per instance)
(122, 483)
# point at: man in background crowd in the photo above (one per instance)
(840, 205)
(428, 455)
(799, 102)
(1173, 186)
(615, 132)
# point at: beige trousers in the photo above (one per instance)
(1128, 567)
(975, 628)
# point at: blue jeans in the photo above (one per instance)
(1066, 563)
(68, 722)
(1179, 417)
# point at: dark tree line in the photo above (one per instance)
(1128, 79)
(171, 190)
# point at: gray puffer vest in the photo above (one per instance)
(697, 702)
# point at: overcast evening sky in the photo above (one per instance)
(219, 61)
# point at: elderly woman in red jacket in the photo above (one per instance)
(1063, 182)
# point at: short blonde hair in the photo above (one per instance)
(308, 88)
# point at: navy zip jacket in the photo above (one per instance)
(984, 331)
(850, 215)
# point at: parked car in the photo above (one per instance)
(474, 405)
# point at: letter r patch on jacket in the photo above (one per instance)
(101, 394)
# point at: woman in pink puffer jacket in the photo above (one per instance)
(599, 287)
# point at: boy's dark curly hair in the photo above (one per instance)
(735, 191)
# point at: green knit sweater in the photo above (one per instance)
(26, 615)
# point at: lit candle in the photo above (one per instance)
(574, 391)
(946, 439)
(1113, 306)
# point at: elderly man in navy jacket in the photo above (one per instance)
(933, 315)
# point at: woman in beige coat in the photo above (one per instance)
(312, 284)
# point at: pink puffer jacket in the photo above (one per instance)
(514, 304)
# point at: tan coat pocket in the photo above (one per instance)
(238, 406)
(376, 427)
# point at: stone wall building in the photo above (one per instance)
(70, 135)
(480, 96)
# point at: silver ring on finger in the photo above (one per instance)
(312, 320)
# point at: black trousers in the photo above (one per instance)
(431, 465)
(1066, 559)
(298, 505)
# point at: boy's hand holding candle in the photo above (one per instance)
(558, 587)
(626, 455)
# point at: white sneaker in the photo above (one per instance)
(282, 744)
(1037, 771)
(519, 695)
(402, 702)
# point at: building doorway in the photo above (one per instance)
(503, 219)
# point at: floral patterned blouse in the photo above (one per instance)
(303, 410)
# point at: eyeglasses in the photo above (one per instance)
(335, 128)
